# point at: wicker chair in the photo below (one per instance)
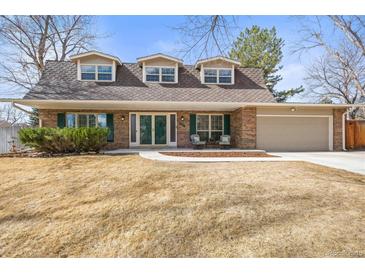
(225, 141)
(195, 140)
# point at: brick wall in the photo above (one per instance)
(243, 128)
(183, 129)
(48, 118)
(121, 128)
(337, 129)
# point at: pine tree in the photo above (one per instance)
(261, 48)
(34, 119)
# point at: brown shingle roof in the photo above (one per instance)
(59, 82)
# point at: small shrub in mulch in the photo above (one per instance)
(217, 154)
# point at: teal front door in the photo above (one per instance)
(145, 122)
(160, 130)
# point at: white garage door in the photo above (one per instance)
(283, 133)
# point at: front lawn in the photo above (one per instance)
(126, 206)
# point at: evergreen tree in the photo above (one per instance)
(34, 119)
(261, 48)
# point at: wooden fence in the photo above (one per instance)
(355, 134)
(8, 134)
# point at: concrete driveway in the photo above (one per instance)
(350, 161)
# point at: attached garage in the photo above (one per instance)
(294, 132)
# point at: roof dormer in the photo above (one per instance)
(160, 68)
(96, 66)
(217, 70)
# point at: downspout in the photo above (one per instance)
(344, 129)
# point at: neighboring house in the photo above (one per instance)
(4, 123)
(159, 101)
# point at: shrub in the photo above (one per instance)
(65, 140)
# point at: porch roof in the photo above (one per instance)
(162, 105)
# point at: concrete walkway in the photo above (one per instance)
(155, 155)
(353, 161)
(350, 161)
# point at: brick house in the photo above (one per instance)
(159, 101)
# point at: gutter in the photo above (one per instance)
(236, 104)
(22, 109)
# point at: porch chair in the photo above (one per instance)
(225, 141)
(195, 140)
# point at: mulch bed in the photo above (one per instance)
(218, 154)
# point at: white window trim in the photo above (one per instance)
(84, 113)
(217, 69)
(176, 67)
(79, 64)
(209, 130)
(168, 139)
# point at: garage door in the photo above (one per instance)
(293, 133)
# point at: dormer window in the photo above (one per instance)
(160, 74)
(96, 72)
(218, 76)
(96, 66)
(160, 68)
(217, 70)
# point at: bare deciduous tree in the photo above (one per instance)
(339, 74)
(11, 115)
(353, 27)
(28, 41)
(204, 36)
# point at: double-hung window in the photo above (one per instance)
(218, 76)
(209, 126)
(160, 74)
(105, 73)
(96, 72)
(88, 72)
(85, 120)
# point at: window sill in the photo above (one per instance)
(152, 82)
(219, 84)
(107, 81)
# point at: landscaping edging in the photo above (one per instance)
(216, 154)
(158, 156)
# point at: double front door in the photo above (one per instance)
(153, 129)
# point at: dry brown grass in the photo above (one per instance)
(126, 206)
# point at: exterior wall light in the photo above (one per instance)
(123, 118)
(182, 118)
(293, 109)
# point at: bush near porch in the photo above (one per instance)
(64, 140)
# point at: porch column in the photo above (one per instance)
(183, 129)
(243, 128)
(337, 129)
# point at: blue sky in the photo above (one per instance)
(135, 36)
(131, 37)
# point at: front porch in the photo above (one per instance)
(273, 127)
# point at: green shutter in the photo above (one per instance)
(192, 123)
(227, 124)
(110, 125)
(61, 120)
